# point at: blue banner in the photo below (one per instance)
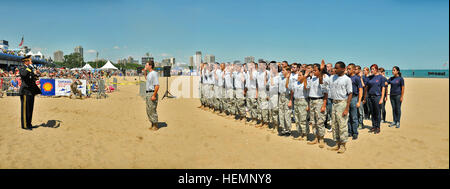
(47, 87)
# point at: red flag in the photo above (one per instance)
(21, 42)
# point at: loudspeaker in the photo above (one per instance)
(166, 72)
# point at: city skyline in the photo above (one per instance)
(409, 34)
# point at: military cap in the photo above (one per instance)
(25, 58)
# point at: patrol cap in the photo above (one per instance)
(26, 58)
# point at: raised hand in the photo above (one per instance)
(322, 65)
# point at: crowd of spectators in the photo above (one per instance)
(10, 80)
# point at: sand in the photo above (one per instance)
(113, 133)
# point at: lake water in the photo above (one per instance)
(419, 73)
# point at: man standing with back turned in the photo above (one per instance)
(27, 91)
(151, 97)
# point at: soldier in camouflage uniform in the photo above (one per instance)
(318, 95)
(251, 93)
(239, 82)
(273, 96)
(285, 111)
(299, 91)
(263, 101)
(340, 90)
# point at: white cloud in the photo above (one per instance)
(91, 51)
(165, 54)
(116, 47)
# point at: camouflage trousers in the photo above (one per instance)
(339, 122)
(252, 104)
(218, 97)
(211, 95)
(284, 113)
(300, 114)
(273, 108)
(317, 117)
(263, 107)
(151, 108)
(239, 103)
(202, 94)
(228, 104)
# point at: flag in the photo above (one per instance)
(21, 42)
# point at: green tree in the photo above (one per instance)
(73, 60)
(97, 64)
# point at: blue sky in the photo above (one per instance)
(412, 34)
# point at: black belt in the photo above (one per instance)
(315, 98)
(149, 91)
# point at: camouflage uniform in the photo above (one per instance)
(151, 107)
(339, 122)
(284, 113)
(317, 117)
(300, 115)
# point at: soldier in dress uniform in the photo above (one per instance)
(27, 91)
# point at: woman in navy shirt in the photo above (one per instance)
(397, 90)
(375, 90)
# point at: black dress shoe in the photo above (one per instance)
(355, 136)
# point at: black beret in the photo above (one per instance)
(26, 57)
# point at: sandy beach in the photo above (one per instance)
(113, 133)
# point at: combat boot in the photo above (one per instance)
(315, 141)
(342, 149)
(321, 142)
(155, 128)
(335, 148)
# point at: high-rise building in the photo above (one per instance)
(58, 56)
(191, 61)
(4, 44)
(197, 59)
(210, 58)
(79, 49)
(249, 59)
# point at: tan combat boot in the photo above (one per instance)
(335, 148)
(342, 149)
(275, 129)
(264, 126)
(155, 127)
(321, 142)
(315, 141)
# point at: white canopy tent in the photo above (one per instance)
(108, 66)
(87, 67)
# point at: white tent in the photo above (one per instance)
(108, 66)
(30, 53)
(87, 67)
